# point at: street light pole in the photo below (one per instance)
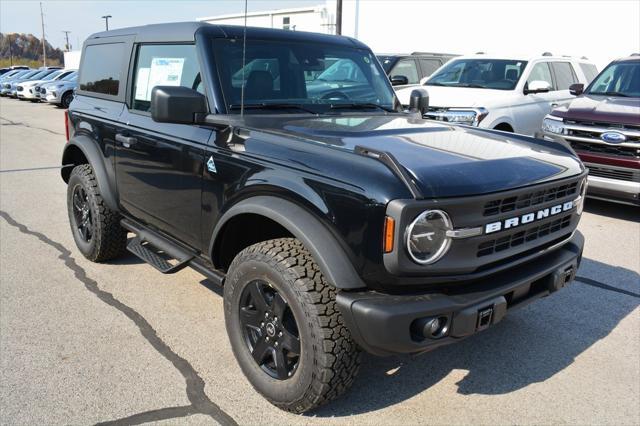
(339, 17)
(106, 20)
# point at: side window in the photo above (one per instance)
(429, 66)
(407, 68)
(590, 71)
(565, 75)
(164, 65)
(541, 72)
(101, 68)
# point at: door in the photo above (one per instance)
(536, 105)
(159, 166)
(564, 76)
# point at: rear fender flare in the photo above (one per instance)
(96, 159)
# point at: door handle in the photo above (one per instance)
(126, 141)
(554, 105)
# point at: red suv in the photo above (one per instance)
(602, 125)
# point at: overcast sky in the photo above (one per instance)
(82, 18)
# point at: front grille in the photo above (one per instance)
(623, 151)
(524, 236)
(606, 172)
(529, 199)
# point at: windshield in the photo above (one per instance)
(70, 77)
(35, 76)
(26, 74)
(618, 79)
(497, 74)
(52, 75)
(307, 77)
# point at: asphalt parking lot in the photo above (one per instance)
(82, 343)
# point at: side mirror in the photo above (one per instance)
(177, 104)
(419, 101)
(399, 80)
(537, 86)
(576, 89)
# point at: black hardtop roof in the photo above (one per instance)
(185, 32)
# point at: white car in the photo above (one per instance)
(505, 93)
(25, 90)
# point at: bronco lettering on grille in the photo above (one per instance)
(527, 218)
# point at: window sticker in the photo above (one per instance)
(164, 72)
(142, 84)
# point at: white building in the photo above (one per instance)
(600, 30)
(318, 19)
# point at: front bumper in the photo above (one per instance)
(614, 190)
(384, 324)
(27, 93)
(53, 97)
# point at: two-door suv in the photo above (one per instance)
(336, 221)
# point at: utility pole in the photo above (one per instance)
(339, 17)
(106, 20)
(10, 50)
(66, 36)
(44, 49)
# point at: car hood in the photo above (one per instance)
(602, 109)
(443, 160)
(459, 96)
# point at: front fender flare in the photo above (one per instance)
(95, 158)
(323, 246)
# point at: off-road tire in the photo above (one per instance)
(109, 239)
(329, 359)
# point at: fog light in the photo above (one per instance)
(432, 326)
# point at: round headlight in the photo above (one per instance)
(427, 240)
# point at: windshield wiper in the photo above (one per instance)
(364, 105)
(623, 95)
(267, 106)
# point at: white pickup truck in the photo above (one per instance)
(498, 92)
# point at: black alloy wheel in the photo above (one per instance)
(82, 213)
(269, 330)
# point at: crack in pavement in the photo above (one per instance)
(16, 123)
(200, 402)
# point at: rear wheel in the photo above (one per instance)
(285, 330)
(66, 99)
(96, 228)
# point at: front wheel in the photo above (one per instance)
(284, 326)
(66, 99)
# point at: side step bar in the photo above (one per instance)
(165, 255)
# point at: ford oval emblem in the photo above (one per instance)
(613, 137)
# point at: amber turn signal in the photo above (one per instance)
(389, 230)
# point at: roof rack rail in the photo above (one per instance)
(431, 53)
(547, 54)
(585, 58)
(479, 53)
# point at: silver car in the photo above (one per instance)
(38, 89)
(60, 92)
(38, 75)
(5, 82)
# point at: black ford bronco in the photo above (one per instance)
(280, 165)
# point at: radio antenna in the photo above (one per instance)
(244, 55)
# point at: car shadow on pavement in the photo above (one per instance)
(611, 209)
(529, 346)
